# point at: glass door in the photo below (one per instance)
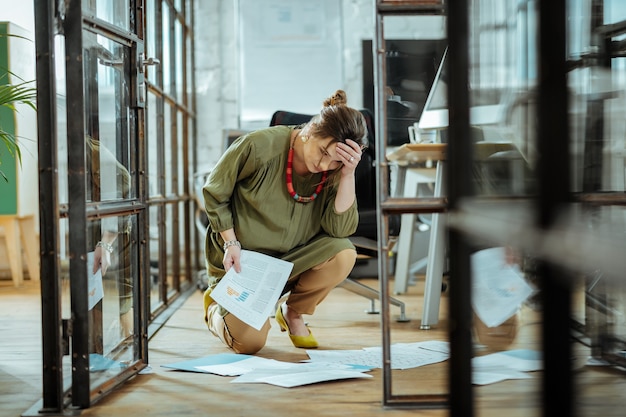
(91, 96)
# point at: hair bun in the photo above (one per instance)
(336, 99)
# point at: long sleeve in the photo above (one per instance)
(247, 191)
(339, 224)
(237, 163)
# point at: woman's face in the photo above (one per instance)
(321, 155)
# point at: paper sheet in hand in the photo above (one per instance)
(252, 294)
(94, 285)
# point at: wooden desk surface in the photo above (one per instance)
(422, 152)
(418, 152)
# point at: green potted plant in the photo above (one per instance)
(22, 92)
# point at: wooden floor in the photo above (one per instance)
(340, 323)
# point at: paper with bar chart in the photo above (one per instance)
(251, 294)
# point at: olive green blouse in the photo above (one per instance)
(247, 191)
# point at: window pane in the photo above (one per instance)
(107, 119)
(170, 226)
(182, 165)
(116, 12)
(155, 284)
(150, 39)
(59, 47)
(167, 146)
(178, 33)
(168, 54)
(152, 145)
(111, 293)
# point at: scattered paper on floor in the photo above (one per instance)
(331, 365)
(403, 355)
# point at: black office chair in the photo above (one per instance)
(366, 235)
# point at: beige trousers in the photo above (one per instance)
(308, 290)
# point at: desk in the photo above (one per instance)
(19, 233)
(414, 162)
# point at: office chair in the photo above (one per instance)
(366, 235)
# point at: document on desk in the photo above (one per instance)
(251, 295)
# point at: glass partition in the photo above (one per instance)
(566, 243)
(152, 38)
(116, 12)
(167, 52)
(406, 57)
(506, 202)
(170, 163)
(106, 249)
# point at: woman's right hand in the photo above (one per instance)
(232, 257)
(101, 260)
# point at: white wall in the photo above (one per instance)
(217, 67)
(216, 75)
(291, 57)
(217, 62)
(21, 13)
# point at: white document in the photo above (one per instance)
(403, 355)
(254, 370)
(498, 289)
(95, 290)
(288, 375)
(508, 364)
(244, 366)
(490, 376)
(311, 377)
(251, 295)
(365, 357)
(413, 355)
(522, 360)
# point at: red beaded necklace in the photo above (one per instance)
(289, 175)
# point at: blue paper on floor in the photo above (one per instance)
(99, 363)
(219, 359)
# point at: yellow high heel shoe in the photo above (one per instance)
(305, 342)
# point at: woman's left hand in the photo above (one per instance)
(350, 152)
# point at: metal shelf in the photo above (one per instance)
(418, 7)
(389, 206)
(414, 206)
(583, 240)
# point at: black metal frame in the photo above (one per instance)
(460, 157)
(67, 18)
(48, 196)
(387, 206)
(472, 219)
(554, 176)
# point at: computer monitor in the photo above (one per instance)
(486, 109)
